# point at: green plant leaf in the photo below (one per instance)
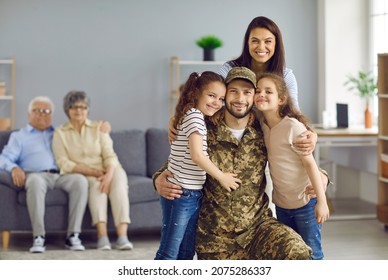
(364, 84)
(209, 42)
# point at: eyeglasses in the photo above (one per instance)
(42, 111)
(76, 107)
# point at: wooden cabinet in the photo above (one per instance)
(382, 80)
(179, 72)
(7, 93)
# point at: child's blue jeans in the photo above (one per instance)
(302, 220)
(180, 217)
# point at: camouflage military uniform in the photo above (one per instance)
(239, 224)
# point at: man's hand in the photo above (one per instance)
(165, 188)
(18, 177)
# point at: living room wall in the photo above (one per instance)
(118, 51)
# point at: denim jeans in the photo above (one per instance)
(180, 217)
(302, 220)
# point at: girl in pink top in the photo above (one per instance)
(291, 172)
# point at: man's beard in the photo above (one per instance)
(238, 115)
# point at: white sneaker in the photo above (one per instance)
(38, 245)
(74, 243)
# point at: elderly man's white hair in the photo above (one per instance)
(44, 99)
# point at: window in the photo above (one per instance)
(379, 28)
(379, 33)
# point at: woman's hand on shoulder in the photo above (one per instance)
(305, 142)
(105, 127)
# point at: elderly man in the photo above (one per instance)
(238, 224)
(29, 158)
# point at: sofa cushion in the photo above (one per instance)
(141, 190)
(158, 149)
(4, 136)
(8, 206)
(6, 179)
(130, 148)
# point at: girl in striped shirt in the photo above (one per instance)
(202, 95)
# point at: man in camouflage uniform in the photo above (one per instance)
(239, 224)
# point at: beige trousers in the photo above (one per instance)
(118, 198)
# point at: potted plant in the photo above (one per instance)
(208, 44)
(365, 85)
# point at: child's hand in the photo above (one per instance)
(230, 181)
(322, 212)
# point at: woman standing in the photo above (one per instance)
(80, 147)
(263, 52)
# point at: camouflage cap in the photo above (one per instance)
(241, 73)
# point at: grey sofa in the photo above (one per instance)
(141, 153)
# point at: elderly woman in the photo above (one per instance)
(80, 147)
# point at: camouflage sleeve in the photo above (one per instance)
(157, 173)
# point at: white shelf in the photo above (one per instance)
(197, 62)
(383, 95)
(9, 99)
(382, 179)
(383, 137)
(176, 79)
(6, 61)
(6, 97)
